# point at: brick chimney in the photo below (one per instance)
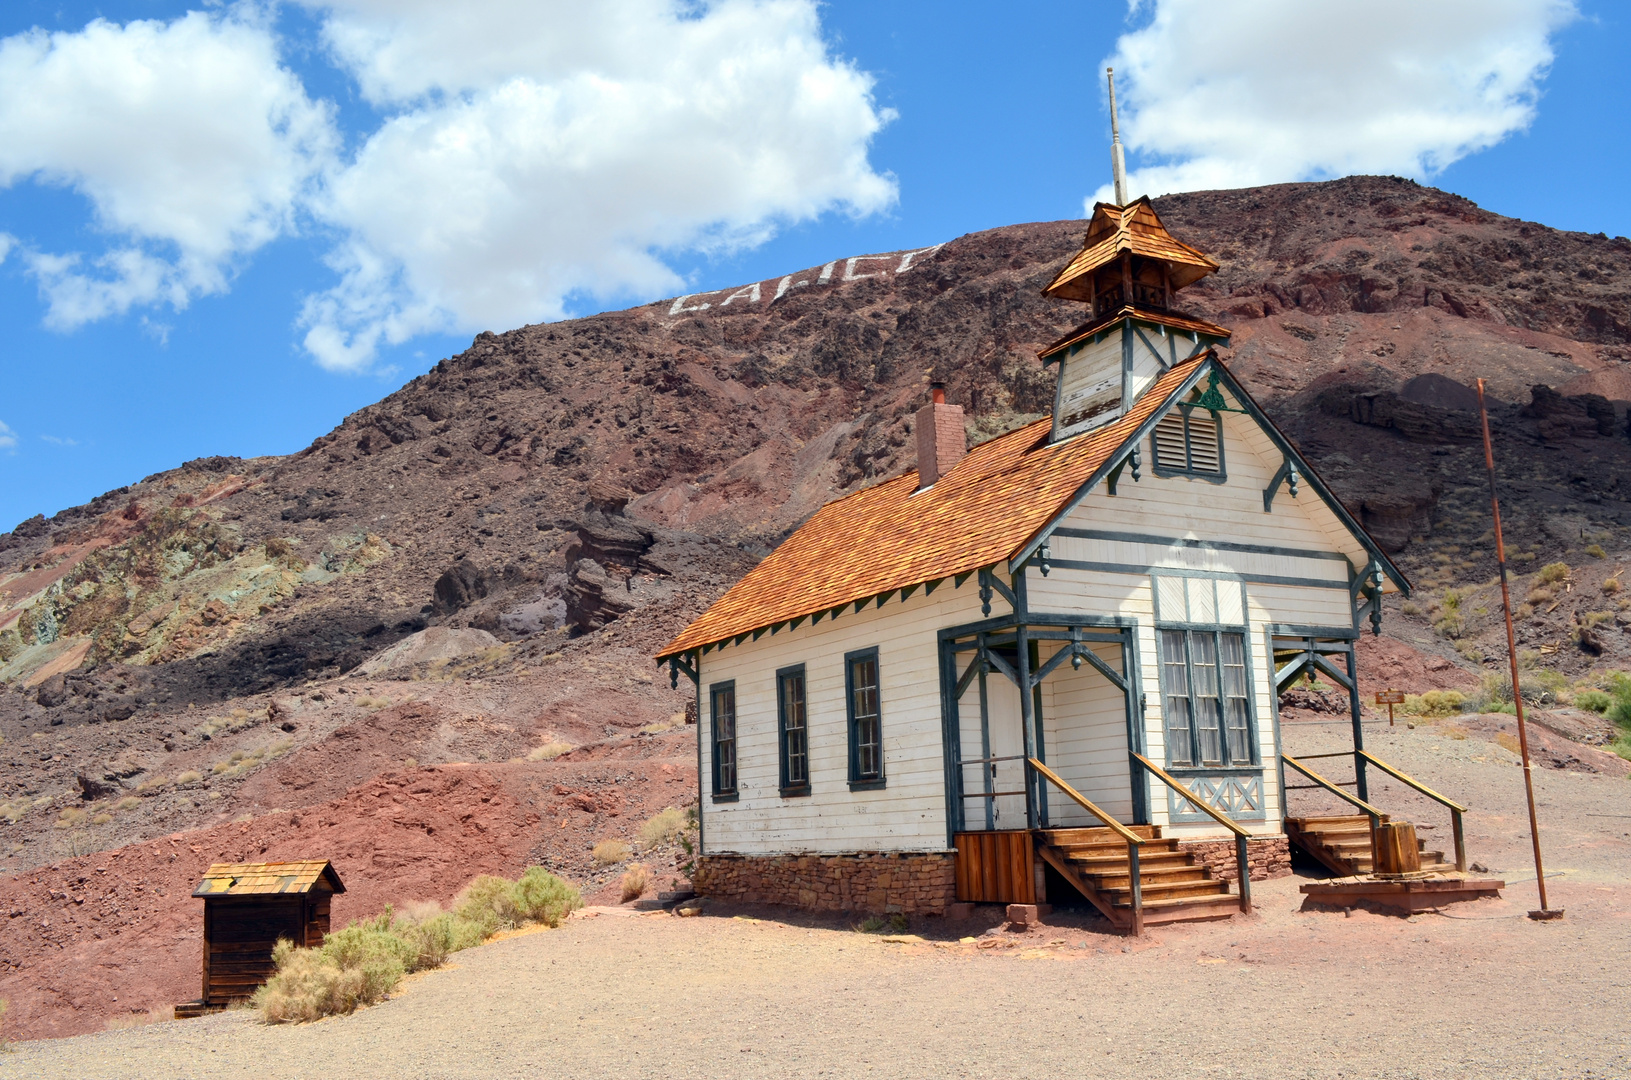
(941, 441)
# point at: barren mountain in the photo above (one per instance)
(526, 522)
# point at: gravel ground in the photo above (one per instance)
(1479, 990)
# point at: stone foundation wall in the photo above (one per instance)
(1268, 856)
(911, 883)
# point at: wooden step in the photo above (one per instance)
(1097, 836)
(1147, 878)
(1150, 894)
(1118, 849)
(1092, 862)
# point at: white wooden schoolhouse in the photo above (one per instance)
(1060, 648)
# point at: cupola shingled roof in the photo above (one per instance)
(1135, 229)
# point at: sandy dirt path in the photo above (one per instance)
(1478, 991)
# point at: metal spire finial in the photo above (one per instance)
(1118, 163)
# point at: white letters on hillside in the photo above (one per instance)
(752, 294)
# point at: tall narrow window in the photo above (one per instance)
(1206, 694)
(865, 720)
(795, 735)
(723, 714)
(1175, 688)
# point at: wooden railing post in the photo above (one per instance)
(1460, 842)
(1136, 888)
(1243, 863)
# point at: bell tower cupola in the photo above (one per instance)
(1127, 274)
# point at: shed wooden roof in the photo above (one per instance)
(267, 878)
(892, 536)
(1133, 228)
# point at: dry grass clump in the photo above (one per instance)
(363, 963)
(549, 751)
(152, 783)
(1538, 596)
(13, 811)
(1552, 573)
(608, 852)
(1596, 551)
(102, 819)
(663, 828)
(1434, 703)
(1508, 742)
(141, 1019)
(71, 818)
(191, 776)
(1610, 586)
(129, 802)
(243, 761)
(634, 882)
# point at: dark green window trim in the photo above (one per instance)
(722, 725)
(793, 731)
(864, 706)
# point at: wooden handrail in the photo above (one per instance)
(1419, 786)
(1375, 814)
(1189, 796)
(1081, 800)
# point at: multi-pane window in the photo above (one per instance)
(865, 721)
(1206, 697)
(794, 732)
(723, 714)
(1188, 441)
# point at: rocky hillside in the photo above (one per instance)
(530, 519)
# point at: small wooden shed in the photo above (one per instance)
(247, 908)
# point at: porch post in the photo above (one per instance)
(1359, 735)
(1134, 697)
(1027, 720)
(986, 767)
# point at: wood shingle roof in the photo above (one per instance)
(1133, 228)
(259, 879)
(893, 536)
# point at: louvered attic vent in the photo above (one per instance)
(1188, 442)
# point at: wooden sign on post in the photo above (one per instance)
(1390, 698)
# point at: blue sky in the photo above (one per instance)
(224, 231)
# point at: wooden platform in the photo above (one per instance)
(189, 1009)
(1405, 895)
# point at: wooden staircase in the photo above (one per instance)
(1174, 887)
(1343, 844)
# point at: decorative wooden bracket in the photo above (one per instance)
(1289, 475)
(675, 666)
(1043, 554)
(1132, 459)
(1365, 592)
(989, 582)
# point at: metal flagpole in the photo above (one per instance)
(1545, 912)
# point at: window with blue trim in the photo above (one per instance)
(865, 720)
(722, 715)
(1206, 697)
(794, 731)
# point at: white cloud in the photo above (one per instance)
(1231, 93)
(58, 440)
(189, 139)
(542, 151)
(7, 242)
(8, 438)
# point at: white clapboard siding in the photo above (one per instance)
(1084, 725)
(909, 814)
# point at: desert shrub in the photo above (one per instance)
(487, 902)
(1596, 551)
(1610, 586)
(1538, 596)
(221, 767)
(544, 898)
(129, 802)
(662, 828)
(71, 818)
(1552, 573)
(1434, 703)
(549, 751)
(877, 924)
(633, 882)
(364, 962)
(309, 985)
(608, 852)
(152, 782)
(102, 819)
(191, 776)
(13, 811)
(1508, 742)
(1410, 607)
(1593, 700)
(1618, 685)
